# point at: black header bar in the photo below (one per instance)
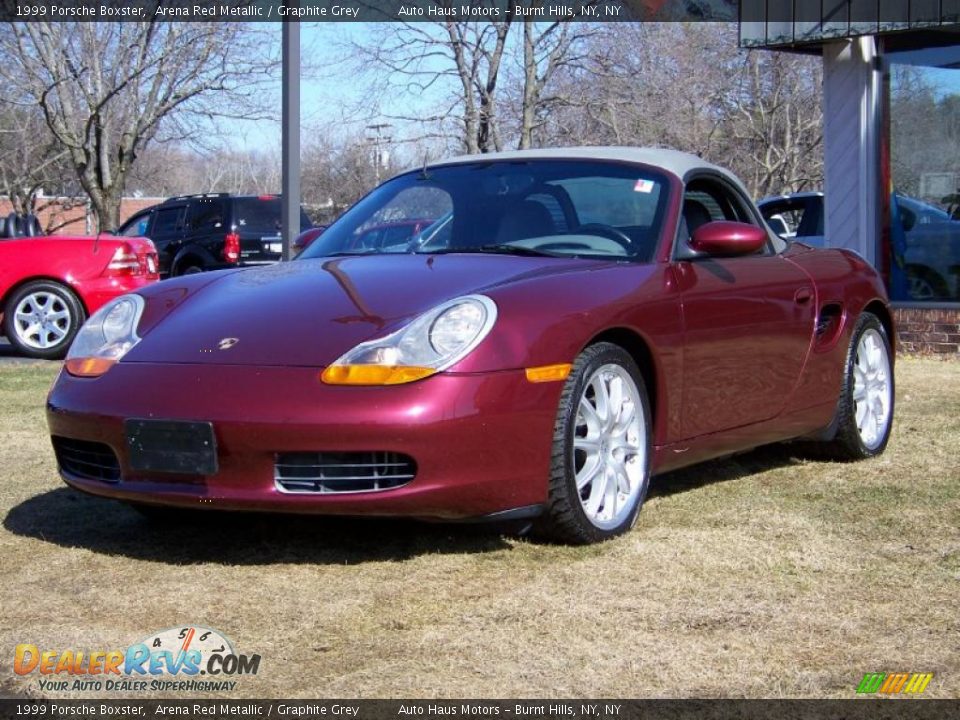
(863, 709)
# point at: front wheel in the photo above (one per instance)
(600, 468)
(865, 409)
(42, 318)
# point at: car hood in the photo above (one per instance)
(310, 312)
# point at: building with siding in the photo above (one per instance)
(891, 93)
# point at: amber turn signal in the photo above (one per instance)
(89, 366)
(373, 374)
(548, 373)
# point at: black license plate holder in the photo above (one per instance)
(171, 446)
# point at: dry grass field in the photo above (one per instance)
(765, 575)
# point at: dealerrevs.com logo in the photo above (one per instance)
(186, 659)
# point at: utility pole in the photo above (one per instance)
(290, 134)
(377, 140)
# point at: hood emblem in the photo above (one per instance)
(227, 343)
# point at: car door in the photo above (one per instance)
(748, 321)
(166, 231)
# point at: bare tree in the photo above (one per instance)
(30, 161)
(778, 122)
(107, 90)
(688, 86)
(548, 48)
(458, 62)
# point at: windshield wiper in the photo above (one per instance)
(343, 253)
(493, 250)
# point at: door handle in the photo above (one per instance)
(803, 296)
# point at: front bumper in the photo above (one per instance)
(482, 443)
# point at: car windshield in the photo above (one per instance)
(562, 208)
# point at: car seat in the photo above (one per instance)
(527, 219)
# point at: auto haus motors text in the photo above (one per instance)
(137, 668)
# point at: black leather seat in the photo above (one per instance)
(527, 219)
(695, 214)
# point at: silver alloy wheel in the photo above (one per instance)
(609, 446)
(872, 389)
(42, 320)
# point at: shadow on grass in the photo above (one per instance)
(711, 472)
(68, 518)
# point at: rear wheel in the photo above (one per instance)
(41, 319)
(189, 270)
(865, 410)
(600, 470)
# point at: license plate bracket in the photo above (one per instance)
(171, 446)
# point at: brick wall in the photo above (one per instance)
(68, 216)
(928, 331)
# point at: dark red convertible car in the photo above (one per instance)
(48, 285)
(573, 322)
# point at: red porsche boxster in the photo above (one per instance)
(573, 322)
(49, 284)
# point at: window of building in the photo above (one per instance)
(922, 246)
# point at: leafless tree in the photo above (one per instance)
(30, 161)
(107, 90)
(548, 49)
(778, 122)
(689, 87)
(457, 62)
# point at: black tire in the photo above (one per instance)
(848, 443)
(14, 227)
(31, 226)
(47, 342)
(565, 518)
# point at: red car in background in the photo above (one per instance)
(49, 285)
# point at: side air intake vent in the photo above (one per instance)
(88, 460)
(342, 472)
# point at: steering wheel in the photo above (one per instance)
(607, 231)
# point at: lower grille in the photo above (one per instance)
(89, 460)
(342, 472)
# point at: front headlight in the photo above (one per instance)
(106, 337)
(432, 342)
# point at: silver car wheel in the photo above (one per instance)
(42, 320)
(609, 446)
(872, 390)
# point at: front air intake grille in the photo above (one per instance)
(88, 460)
(342, 472)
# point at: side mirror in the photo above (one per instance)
(723, 237)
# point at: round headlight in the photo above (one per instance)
(431, 343)
(106, 337)
(457, 326)
(119, 321)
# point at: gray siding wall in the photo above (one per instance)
(851, 98)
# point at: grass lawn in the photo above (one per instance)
(765, 575)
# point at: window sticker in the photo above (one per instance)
(643, 186)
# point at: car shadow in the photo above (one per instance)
(70, 519)
(733, 467)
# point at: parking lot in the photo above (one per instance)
(766, 575)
